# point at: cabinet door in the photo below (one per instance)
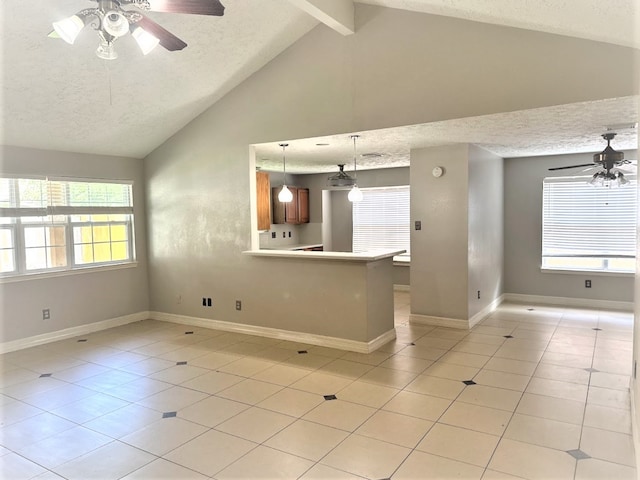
(278, 206)
(263, 200)
(303, 205)
(291, 208)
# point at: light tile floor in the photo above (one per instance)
(532, 392)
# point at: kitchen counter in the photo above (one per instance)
(370, 256)
(334, 299)
(293, 247)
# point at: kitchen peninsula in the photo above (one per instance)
(337, 299)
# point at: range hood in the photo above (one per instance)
(341, 179)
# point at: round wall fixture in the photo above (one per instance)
(437, 172)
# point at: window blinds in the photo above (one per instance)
(381, 219)
(29, 197)
(580, 220)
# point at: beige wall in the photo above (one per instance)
(399, 68)
(439, 267)
(486, 229)
(84, 298)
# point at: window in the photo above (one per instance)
(381, 220)
(587, 228)
(60, 224)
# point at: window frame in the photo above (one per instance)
(60, 213)
(402, 259)
(584, 250)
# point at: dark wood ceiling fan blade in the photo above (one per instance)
(574, 166)
(167, 39)
(197, 7)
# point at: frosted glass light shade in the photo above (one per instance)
(145, 40)
(285, 195)
(69, 28)
(355, 194)
(115, 24)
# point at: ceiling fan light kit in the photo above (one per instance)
(111, 21)
(610, 161)
(355, 194)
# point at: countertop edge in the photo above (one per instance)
(372, 256)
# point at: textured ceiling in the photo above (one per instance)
(611, 21)
(62, 97)
(554, 130)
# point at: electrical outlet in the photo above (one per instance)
(204, 302)
(418, 225)
(478, 294)
(46, 314)
(273, 234)
(284, 234)
(238, 304)
(587, 284)
(289, 234)
(208, 302)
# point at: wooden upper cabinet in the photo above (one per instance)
(294, 212)
(303, 205)
(263, 200)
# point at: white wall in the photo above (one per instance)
(399, 68)
(82, 298)
(523, 236)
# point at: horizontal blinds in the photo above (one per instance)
(28, 197)
(582, 220)
(381, 219)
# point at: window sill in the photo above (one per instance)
(588, 272)
(63, 273)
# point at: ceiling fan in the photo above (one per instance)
(112, 21)
(610, 163)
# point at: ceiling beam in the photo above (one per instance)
(337, 14)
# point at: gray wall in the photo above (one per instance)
(79, 298)
(486, 228)
(439, 269)
(387, 74)
(342, 225)
(523, 236)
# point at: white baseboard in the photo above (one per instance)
(568, 301)
(486, 311)
(401, 288)
(36, 340)
(439, 321)
(301, 337)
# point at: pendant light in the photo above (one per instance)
(285, 195)
(355, 195)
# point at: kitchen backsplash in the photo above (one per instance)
(307, 234)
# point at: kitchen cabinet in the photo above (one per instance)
(263, 200)
(294, 212)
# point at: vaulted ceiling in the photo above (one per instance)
(62, 97)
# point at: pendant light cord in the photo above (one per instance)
(284, 164)
(355, 163)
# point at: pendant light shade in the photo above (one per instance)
(355, 195)
(285, 195)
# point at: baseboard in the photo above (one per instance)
(634, 424)
(401, 288)
(36, 340)
(301, 337)
(486, 311)
(439, 321)
(568, 301)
